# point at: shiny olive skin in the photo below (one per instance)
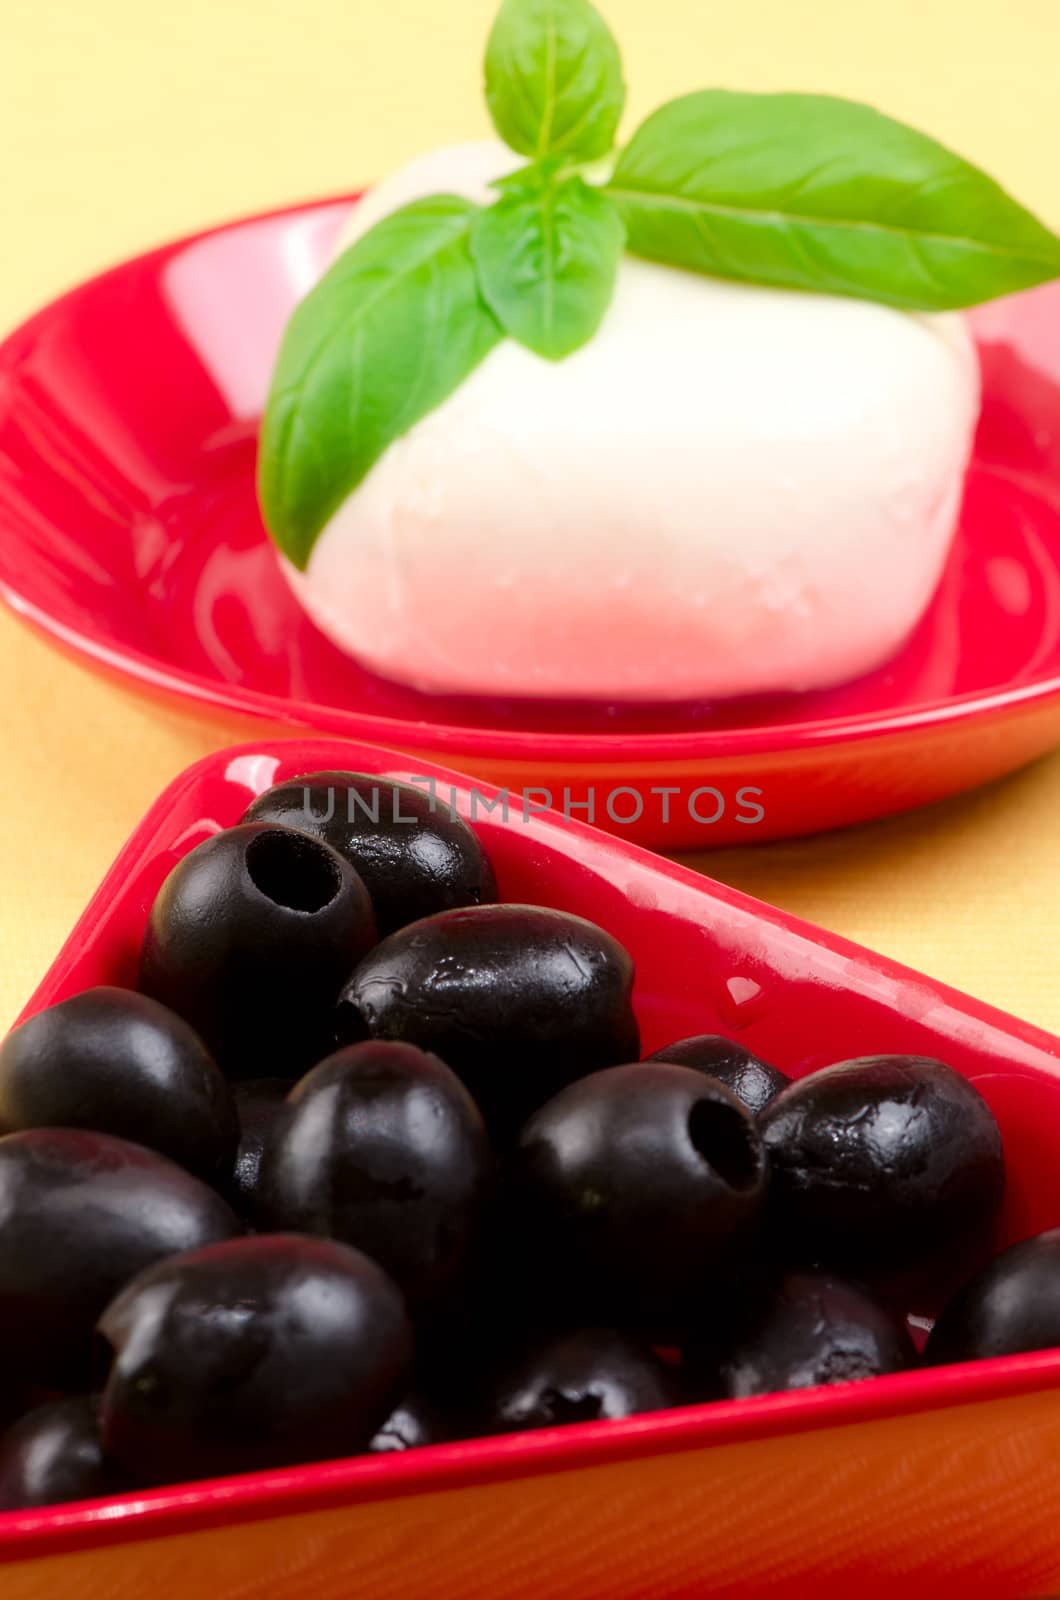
(82, 1213)
(809, 1329)
(415, 1422)
(381, 1146)
(261, 1352)
(519, 1000)
(414, 856)
(884, 1165)
(260, 1103)
(588, 1375)
(118, 1062)
(753, 1082)
(251, 938)
(641, 1181)
(1011, 1305)
(53, 1455)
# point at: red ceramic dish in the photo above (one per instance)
(129, 533)
(941, 1481)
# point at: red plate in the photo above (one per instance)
(936, 1483)
(130, 534)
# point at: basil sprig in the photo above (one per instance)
(811, 192)
(547, 255)
(803, 192)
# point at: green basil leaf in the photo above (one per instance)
(393, 327)
(554, 79)
(547, 257)
(810, 192)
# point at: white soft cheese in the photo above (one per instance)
(729, 490)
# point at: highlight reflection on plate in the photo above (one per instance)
(129, 532)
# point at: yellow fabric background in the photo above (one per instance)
(123, 123)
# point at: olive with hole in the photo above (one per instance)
(588, 1375)
(635, 1186)
(119, 1062)
(519, 1000)
(53, 1455)
(1011, 1305)
(416, 1421)
(414, 855)
(752, 1081)
(251, 938)
(809, 1329)
(381, 1146)
(888, 1167)
(261, 1352)
(82, 1214)
(260, 1104)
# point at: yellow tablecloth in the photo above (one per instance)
(123, 123)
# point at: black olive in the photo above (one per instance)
(414, 855)
(589, 1375)
(382, 1147)
(261, 1352)
(251, 938)
(810, 1329)
(82, 1213)
(53, 1455)
(751, 1080)
(415, 1422)
(884, 1165)
(1011, 1305)
(640, 1181)
(519, 1000)
(118, 1062)
(260, 1104)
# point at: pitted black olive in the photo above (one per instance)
(381, 1146)
(637, 1184)
(751, 1081)
(118, 1062)
(589, 1375)
(53, 1455)
(251, 938)
(809, 1329)
(414, 855)
(262, 1352)
(884, 1165)
(519, 1000)
(1011, 1305)
(82, 1214)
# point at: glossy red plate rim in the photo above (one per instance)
(475, 741)
(360, 1479)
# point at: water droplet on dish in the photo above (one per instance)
(742, 1001)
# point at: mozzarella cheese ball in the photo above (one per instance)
(729, 490)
